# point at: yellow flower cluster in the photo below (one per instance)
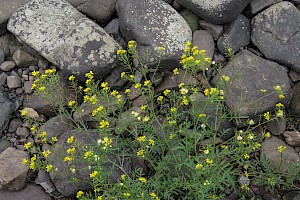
(280, 91)
(281, 148)
(214, 92)
(141, 153)
(103, 124)
(32, 162)
(96, 111)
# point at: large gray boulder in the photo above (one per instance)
(249, 74)
(65, 37)
(275, 32)
(7, 8)
(7, 108)
(216, 11)
(154, 24)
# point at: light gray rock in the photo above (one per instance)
(62, 178)
(236, 34)
(13, 82)
(4, 144)
(12, 172)
(216, 11)
(22, 132)
(159, 25)
(14, 124)
(7, 108)
(269, 149)
(292, 138)
(27, 87)
(31, 192)
(204, 40)
(3, 77)
(99, 10)
(249, 74)
(7, 66)
(65, 37)
(8, 7)
(275, 32)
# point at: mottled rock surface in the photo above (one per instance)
(248, 75)
(216, 11)
(154, 24)
(65, 37)
(278, 40)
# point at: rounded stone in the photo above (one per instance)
(7, 66)
(13, 82)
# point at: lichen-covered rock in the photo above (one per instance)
(6, 10)
(216, 11)
(275, 32)
(154, 24)
(65, 37)
(249, 74)
(13, 173)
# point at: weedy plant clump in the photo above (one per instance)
(184, 152)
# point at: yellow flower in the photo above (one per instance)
(32, 165)
(199, 166)
(281, 148)
(141, 153)
(225, 78)
(281, 96)
(181, 85)
(141, 138)
(23, 112)
(267, 116)
(245, 187)
(71, 78)
(263, 91)
(185, 101)
(209, 161)
(127, 91)
(131, 42)
(206, 151)
(173, 109)
(68, 158)
(33, 86)
(171, 136)
(279, 105)
(70, 140)
(24, 161)
(54, 139)
(104, 124)
(87, 154)
(160, 98)
(267, 134)
(279, 113)
(89, 75)
(86, 90)
(71, 103)
(27, 145)
(107, 142)
(202, 115)
(33, 128)
(71, 150)
(146, 119)
(49, 168)
(123, 74)
(161, 48)
(176, 71)
(131, 77)
(197, 62)
(144, 107)
(142, 179)
(123, 176)
(188, 43)
(166, 92)
(42, 88)
(147, 82)
(138, 85)
(35, 73)
(79, 194)
(151, 142)
(93, 174)
(246, 156)
(121, 52)
(43, 134)
(46, 153)
(99, 198)
(126, 194)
